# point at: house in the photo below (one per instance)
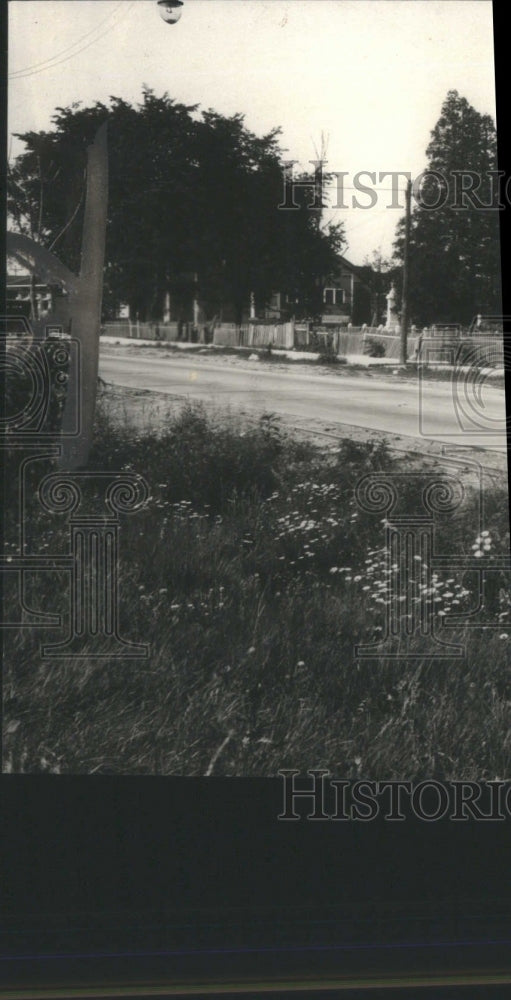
(346, 298)
(51, 303)
(19, 291)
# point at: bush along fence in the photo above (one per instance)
(435, 344)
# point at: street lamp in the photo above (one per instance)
(170, 10)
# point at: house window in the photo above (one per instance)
(333, 296)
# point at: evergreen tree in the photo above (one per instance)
(455, 270)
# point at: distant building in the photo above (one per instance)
(51, 303)
(18, 291)
(346, 298)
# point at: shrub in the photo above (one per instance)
(199, 461)
(331, 358)
(374, 348)
(322, 342)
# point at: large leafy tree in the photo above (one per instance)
(191, 193)
(455, 269)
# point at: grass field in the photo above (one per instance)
(253, 573)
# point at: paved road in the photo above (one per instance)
(436, 411)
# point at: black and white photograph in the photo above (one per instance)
(256, 489)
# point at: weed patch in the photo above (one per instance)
(253, 573)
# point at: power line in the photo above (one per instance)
(57, 60)
(45, 62)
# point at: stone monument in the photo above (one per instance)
(392, 321)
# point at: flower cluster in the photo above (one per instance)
(307, 523)
(204, 603)
(482, 544)
(308, 527)
(376, 581)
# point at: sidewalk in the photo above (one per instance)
(186, 346)
(360, 360)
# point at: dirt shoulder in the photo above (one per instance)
(147, 411)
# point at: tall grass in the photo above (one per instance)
(253, 574)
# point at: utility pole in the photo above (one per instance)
(85, 293)
(86, 308)
(406, 264)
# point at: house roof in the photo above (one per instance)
(347, 263)
(355, 269)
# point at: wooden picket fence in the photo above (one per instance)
(458, 347)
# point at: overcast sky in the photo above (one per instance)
(370, 75)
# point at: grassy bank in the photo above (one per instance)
(253, 572)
